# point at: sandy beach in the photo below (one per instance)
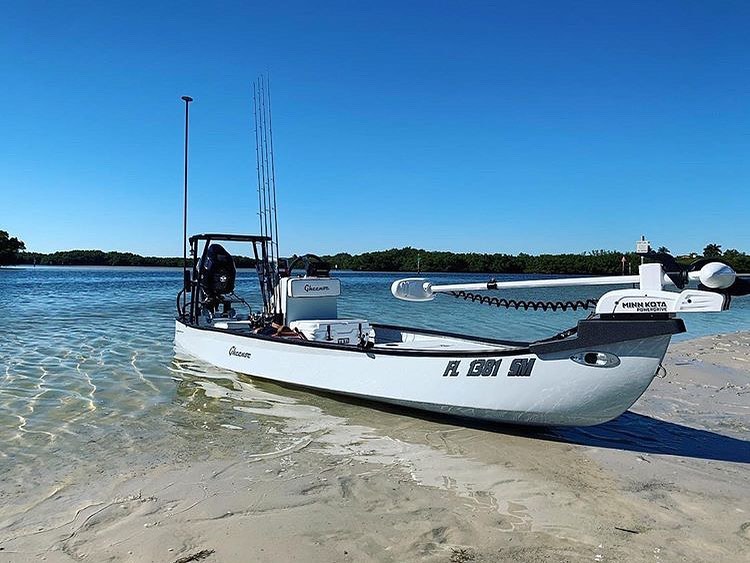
(667, 481)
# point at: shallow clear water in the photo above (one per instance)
(88, 368)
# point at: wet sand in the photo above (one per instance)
(667, 481)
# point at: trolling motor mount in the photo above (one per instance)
(675, 271)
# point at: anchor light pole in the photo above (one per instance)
(185, 274)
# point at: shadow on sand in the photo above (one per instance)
(630, 431)
(640, 433)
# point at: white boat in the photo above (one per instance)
(588, 375)
(584, 376)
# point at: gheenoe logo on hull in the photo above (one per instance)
(653, 306)
(308, 288)
(239, 353)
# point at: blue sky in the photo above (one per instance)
(465, 126)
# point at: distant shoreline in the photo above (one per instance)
(596, 262)
(252, 269)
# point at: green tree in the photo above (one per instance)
(739, 260)
(712, 251)
(9, 249)
(663, 249)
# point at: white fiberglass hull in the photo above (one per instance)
(551, 390)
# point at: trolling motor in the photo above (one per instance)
(718, 283)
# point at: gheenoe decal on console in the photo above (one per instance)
(308, 288)
(312, 288)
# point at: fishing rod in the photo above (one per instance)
(261, 163)
(266, 177)
(257, 159)
(266, 165)
(275, 222)
(273, 172)
(261, 265)
(185, 272)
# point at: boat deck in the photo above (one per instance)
(406, 339)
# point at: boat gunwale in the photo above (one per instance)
(519, 348)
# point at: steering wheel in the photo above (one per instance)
(312, 264)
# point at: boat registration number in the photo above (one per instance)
(519, 367)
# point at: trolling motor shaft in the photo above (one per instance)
(716, 279)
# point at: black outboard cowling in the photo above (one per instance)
(217, 272)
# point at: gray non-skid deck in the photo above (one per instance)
(395, 338)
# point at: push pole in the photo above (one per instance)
(185, 282)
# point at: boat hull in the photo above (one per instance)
(510, 386)
(525, 388)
